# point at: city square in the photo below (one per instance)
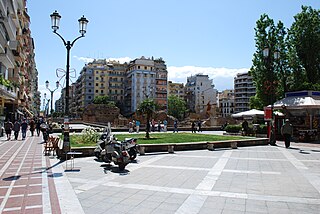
(159, 107)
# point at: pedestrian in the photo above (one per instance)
(287, 132)
(137, 125)
(32, 126)
(8, 128)
(165, 123)
(24, 127)
(16, 129)
(175, 126)
(199, 126)
(193, 126)
(38, 123)
(245, 127)
(159, 126)
(130, 127)
(153, 125)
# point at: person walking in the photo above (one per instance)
(38, 123)
(32, 126)
(24, 127)
(137, 125)
(287, 132)
(16, 129)
(159, 126)
(165, 124)
(245, 127)
(175, 126)
(199, 126)
(8, 128)
(193, 126)
(130, 127)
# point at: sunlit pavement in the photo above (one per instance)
(260, 179)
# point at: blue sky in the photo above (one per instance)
(204, 36)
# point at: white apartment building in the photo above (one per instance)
(226, 102)
(200, 93)
(243, 90)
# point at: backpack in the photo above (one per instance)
(7, 126)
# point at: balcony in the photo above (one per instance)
(7, 58)
(10, 26)
(7, 93)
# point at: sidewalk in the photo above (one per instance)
(261, 179)
(31, 182)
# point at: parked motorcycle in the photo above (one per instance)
(109, 149)
(132, 147)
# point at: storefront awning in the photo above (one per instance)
(28, 112)
(19, 112)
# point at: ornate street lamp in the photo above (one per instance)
(270, 86)
(55, 21)
(52, 91)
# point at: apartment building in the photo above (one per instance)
(226, 102)
(19, 94)
(243, 90)
(146, 78)
(200, 93)
(176, 89)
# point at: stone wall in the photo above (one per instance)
(102, 114)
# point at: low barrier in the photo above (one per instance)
(172, 147)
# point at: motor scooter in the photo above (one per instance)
(109, 149)
(132, 147)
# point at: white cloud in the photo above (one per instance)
(120, 59)
(222, 77)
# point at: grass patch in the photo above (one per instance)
(162, 138)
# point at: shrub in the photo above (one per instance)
(89, 136)
(233, 128)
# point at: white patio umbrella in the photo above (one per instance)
(250, 113)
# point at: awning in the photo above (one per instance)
(250, 113)
(28, 112)
(19, 112)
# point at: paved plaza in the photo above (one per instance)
(260, 179)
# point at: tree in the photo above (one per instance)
(176, 106)
(304, 36)
(148, 106)
(103, 100)
(264, 72)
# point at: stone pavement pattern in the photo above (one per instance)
(262, 179)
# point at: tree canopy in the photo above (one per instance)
(293, 60)
(176, 107)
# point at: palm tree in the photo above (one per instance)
(147, 107)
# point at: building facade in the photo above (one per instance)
(176, 89)
(243, 90)
(19, 96)
(226, 103)
(200, 93)
(146, 78)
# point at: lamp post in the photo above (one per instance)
(270, 86)
(52, 91)
(46, 106)
(55, 21)
(147, 94)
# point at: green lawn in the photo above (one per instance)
(162, 138)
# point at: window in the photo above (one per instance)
(101, 91)
(97, 91)
(97, 78)
(89, 90)
(97, 72)
(145, 68)
(138, 66)
(89, 83)
(89, 97)
(90, 78)
(97, 84)
(101, 85)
